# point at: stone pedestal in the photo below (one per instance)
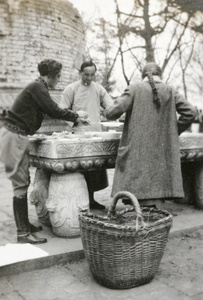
(39, 195)
(68, 196)
(61, 188)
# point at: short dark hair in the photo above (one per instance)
(49, 67)
(87, 64)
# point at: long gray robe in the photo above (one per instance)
(148, 160)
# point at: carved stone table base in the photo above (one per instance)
(39, 195)
(67, 197)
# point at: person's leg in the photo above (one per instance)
(20, 182)
(24, 234)
(14, 154)
(95, 181)
(93, 204)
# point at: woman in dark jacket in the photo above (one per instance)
(24, 118)
(148, 160)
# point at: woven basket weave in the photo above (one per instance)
(125, 248)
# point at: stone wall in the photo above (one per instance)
(32, 30)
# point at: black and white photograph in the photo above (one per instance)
(101, 149)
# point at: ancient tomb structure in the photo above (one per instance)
(32, 30)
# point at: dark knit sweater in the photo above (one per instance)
(27, 111)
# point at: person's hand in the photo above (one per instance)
(84, 121)
(82, 114)
(83, 117)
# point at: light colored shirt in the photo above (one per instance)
(89, 98)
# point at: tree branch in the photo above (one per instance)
(176, 46)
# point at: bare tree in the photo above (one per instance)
(148, 24)
(104, 34)
(185, 54)
(152, 30)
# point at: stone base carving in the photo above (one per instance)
(73, 165)
(38, 196)
(68, 196)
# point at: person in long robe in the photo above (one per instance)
(148, 160)
(88, 95)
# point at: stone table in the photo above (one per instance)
(61, 159)
(60, 190)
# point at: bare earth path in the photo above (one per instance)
(179, 277)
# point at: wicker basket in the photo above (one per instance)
(124, 249)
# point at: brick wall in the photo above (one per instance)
(32, 30)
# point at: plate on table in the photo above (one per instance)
(111, 124)
(79, 136)
(37, 137)
(108, 135)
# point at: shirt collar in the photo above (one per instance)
(83, 83)
(40, 79)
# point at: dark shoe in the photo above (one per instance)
(34, 228)
(96, 205)
(31, 239)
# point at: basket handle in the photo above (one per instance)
(135, 204)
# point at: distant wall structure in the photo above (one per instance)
(32, 30)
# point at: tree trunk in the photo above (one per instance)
(148, 34)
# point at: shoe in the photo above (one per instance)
(31, 239)
(96, 205)
(34, 228)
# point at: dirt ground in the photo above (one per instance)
(181, 267)
(179, 277)
(182, 264)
